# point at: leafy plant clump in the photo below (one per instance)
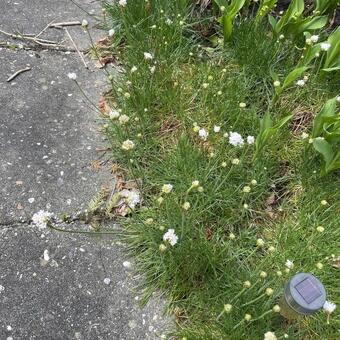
(220, 140)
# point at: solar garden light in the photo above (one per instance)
(304, 294)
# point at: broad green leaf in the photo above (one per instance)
(273, 74)
(265, 7)
(229, 16)
(266, 121)
(323, 147)
(335, 164)
(331, 69)
(327, 111)
(267, 131)
(221, 3)
(293, 75)
(311, 54)
(235, 7)
(298, 7)
(309, 24)
(294, 11)
(227, 23)
(323, 6)
(272, 21)
(333, 54)
(282, 122)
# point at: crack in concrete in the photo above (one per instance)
(13, 224)
(35, 48)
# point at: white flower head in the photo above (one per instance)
(170, 237)
(269, 336)
(250, 140)
(122, 3)
(242, 105)
(123, 119)
(235, 139)
(300, 82)
(41, 218)
(195, 183)
(133, 69)
(132, 197)
(314, 38)
(277, 83)
(107, 281)
(260, 242)
(325, 46)
(186, 206)
(152, 69)
(217, 128)
(72, 75)
(276, 309)
(128, 145)
(148, 56)
(167, 188)
(304, 135)
(112, 32)
(114, 114)
(289, 264)
(46, 255)
(203, 133)
(84, 23)
(329, 307)
(127, 265)
(227, 307)
(168, 21)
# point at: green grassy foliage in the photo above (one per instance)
(276, 196)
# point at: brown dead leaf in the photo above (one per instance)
(302, 119)
(130, 185)
(19, 183)
(20, 207)
(103, 106)
(96, 165)
(119, 179)
(209, 233)
(271, 200)
(103, 42)
(336, 262)
(169, 126)
(103, 61)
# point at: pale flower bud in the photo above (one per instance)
(269, 291)
(247, 284)
(228, 307)
(276, 309)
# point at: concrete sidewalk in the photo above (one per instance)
(48, 138)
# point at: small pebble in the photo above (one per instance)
(107, 281)
(127, 264)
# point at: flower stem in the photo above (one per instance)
(252, 301)
(77, 231)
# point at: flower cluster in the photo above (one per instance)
(41, 218)
(170, 237)
(236, 139)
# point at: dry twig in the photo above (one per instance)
(14, 75)
(64, 23)
(76, 47)
(42, 42)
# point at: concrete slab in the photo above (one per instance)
(32, 16)
(66, 297)
(48, 139)
(48, 135)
